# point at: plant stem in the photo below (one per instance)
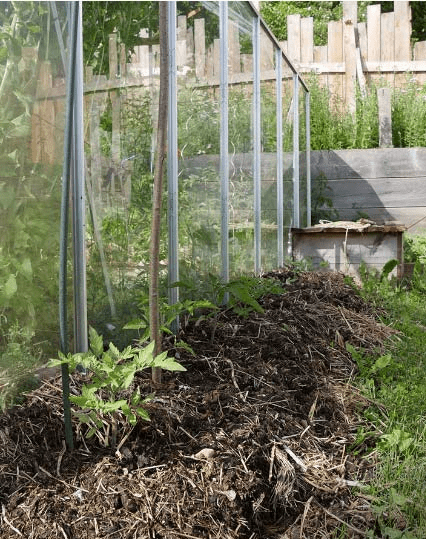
(154, 318)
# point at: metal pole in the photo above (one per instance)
(172, 162)
(63, 240)
(280, 179)
(224, 158)
(78, 199)
(308, 159)
(296, 173)
(256, 145)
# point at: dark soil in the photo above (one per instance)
(252, 442)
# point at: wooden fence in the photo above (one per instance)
(385, 185)
(356, 53)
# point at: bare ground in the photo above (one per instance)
(252, 442)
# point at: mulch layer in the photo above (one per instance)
(252, 441)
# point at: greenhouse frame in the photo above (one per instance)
(79, 145)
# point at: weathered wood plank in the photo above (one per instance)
(307, 39)
(420, 50)
(362, 40)
(181, 56)
(181, 27)
(387, 42)
(190, 60)
(320, 57)
(413, 218)
(200, 48)
(266, 52)
(284, 46)
(216, 57)
(389, 193)
(373, 33)
(293, 42)
(335, 54)
(402, 30)
(234, 60)
(375, 163)
(113, 56)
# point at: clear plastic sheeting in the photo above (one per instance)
(121, 100)
(198, 125)
(240, 137)
(237, 161)
(303, 169)
(268, 158)
(33, 60)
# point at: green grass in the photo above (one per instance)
(399, 384)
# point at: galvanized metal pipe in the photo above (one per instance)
(172, 161)
(224, 155)
(78, 200)
(308, 158)
(296, 157)
(256, 146)
(280, 178)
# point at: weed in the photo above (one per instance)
(397, 380)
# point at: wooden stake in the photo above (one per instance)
(154, 310)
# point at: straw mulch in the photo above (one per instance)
(253, 441)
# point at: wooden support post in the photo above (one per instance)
(335, 54)
(350, 20)
(385, 117)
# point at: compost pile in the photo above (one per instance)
(252, 441)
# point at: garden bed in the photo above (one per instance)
(253, 441)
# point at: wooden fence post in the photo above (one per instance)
(385, 117)
(350, 19)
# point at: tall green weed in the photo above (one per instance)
(409, 115)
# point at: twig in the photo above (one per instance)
(357, 530)
(3, 511)
(60, 456)
(296, 459)
(271, 465)
(305, 512)
(60, 480)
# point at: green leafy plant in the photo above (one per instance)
(168, 315)
(242, 294)
(113, 375)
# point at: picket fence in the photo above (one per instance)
(358, 53)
